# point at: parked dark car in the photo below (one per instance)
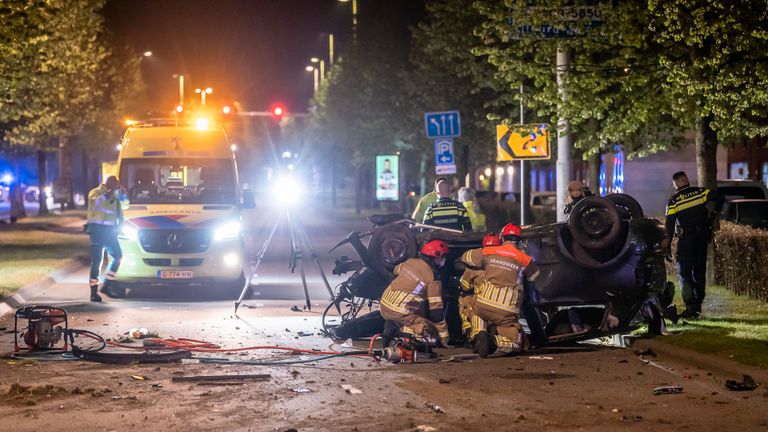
(599, 271)
(752, 212)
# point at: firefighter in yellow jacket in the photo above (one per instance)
(499, 295)
(470, 279)
(413, 302)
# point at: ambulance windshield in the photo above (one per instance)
(179, 181)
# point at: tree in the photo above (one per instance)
(447, 75)
(610, 92)
(716, 72)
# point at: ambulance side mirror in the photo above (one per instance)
(249, 200)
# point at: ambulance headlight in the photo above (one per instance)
(228, 231)
(128, 232)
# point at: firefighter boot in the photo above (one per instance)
(485, 344)
(95, 297)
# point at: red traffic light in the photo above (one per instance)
(278, 111)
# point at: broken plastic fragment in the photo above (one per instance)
(351, 390)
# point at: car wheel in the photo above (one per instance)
(390, 246)
(628, 207)
(594, 222)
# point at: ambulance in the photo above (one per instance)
(183, 221)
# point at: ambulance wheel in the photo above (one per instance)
(116, 290)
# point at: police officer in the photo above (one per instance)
(413, 301)
(104, 216)
(471, 278)
(447, 212)
(426, 201)
(692, 211)
(499, 295)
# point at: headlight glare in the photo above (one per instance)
(228, 231)
(128, 232)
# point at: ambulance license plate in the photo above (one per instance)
(175, 274)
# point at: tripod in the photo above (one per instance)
(301, 249)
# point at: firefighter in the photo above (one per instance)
(499, 295)
(413, 301)
(105, 204)
(447, 212)
(691, 211)
(469, 280)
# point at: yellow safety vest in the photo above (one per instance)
(105, 207)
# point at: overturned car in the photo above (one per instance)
(601, 271)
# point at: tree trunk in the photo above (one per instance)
(84, 162)
(42, 179)
(463, 167)
(333, 181)
(16, 194)
(423, 175)
(65, 171)
(594, 162)
(706, 152)
(358, 189)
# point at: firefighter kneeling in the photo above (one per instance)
(470, 280)
(499, 294)
(412, 304)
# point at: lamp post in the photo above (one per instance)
(315, 78)
(322, 66)
(202, 93)
(181, 87)
(354, 18)
(330, 50)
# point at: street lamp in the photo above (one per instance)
(202, 93)
(354, 17)
(181, 87)
(322, 66)
(316, 78)
(145, 54)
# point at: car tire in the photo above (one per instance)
(594, 222)
(390, 246)
(628, 207)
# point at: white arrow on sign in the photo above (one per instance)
(437, 125)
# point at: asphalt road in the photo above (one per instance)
(578, 388)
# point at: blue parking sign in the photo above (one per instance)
(445, 162)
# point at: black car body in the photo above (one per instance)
(599, 270)
(752, 212)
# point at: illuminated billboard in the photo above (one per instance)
(387, 178)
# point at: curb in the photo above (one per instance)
(717, 365)
(28, 291)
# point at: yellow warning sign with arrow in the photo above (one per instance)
(522, 142)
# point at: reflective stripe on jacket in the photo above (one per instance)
(105, 207)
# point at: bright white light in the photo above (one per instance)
(147, 53)
(499, 171)
(119, 147)
(7, 178)
(286, 154)
(48, 191)
(226, 109)
(231, 259)
(228, 231)
(201, 123)
(510, 170)
(287, 190)
(290, 167)
(487, 172)
(482, 177)
(128, 232)
(233, 147)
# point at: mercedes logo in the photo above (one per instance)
(175, 240)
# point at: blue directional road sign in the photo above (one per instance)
(445, 163)
(445, 124)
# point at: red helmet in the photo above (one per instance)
(511, 230)
(434, 249)
(491, 239)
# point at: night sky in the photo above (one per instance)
(252, 51)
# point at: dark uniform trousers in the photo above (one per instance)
(692, 268)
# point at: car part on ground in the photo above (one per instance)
(598, 270)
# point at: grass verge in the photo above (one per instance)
(35, 247)
(733, 327)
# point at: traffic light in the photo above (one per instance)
(278, 111)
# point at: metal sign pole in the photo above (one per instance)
(563, 166)
(522, 165)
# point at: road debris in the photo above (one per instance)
(646, 353)
(225, 377)
(672, 389)
(425, 428)
(436, 408)
(747, 384)
(351, 390)
(139, 377)
(301, 390)
(304, 334)
(460, 357)
(541, 358)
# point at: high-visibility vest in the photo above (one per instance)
(105, 207)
